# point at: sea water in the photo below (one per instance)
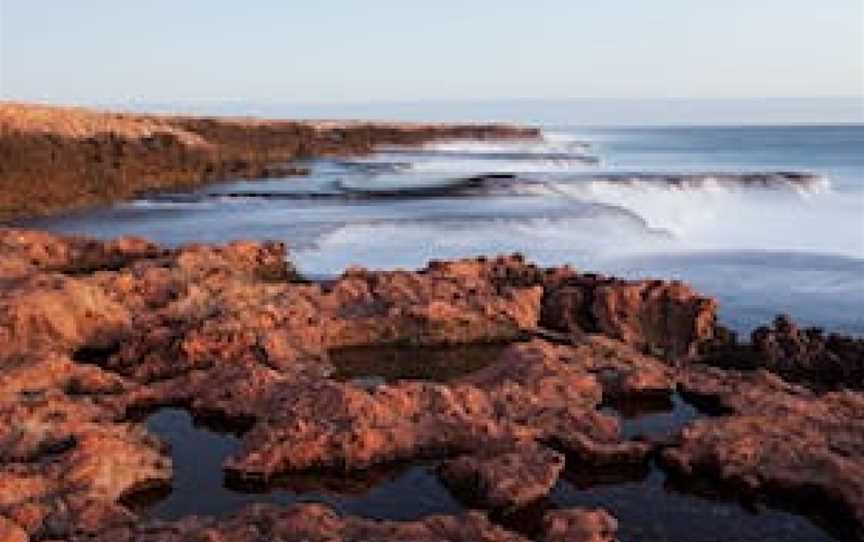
(667, 202)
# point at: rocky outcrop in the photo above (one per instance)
(776, 438)
(95, 333)
(66, 457)
(54, 159)
(807, 356)
(311, 522)
(576, 525)
(29, 251)
(623, 372)
(10, 532)
(528, 395)
(667, 319)
(507, 480)
(663, 318)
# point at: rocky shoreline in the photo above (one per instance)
(95, 333)
(56, 159)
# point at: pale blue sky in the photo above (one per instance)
(111, 51)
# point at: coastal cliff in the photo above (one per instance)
(54, 159)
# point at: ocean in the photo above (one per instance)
(768, 219)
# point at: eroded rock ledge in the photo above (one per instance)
(95, 332)
(54, 159)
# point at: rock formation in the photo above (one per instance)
(776, 438)
(54, 159)
(803, 355)
(667, 319)
(314, 523)
(95, 333)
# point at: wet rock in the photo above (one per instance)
(10, 532)
(432, 306)
(777, 438)
(311, 522)
(218, 318)
(623, 372)
(57, 479)
(326, 425)
(578, 525)
(506, 480)
(802, 355)
(92, 336)
(668, 319)
(528, 394)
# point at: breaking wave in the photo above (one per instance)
(411, 243)
(735, 216)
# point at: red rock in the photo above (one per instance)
(664, 318)
(577, 525)
(505, 480)
(528, 394)
(49, 312)
(622, 371)
(93, 332)
(314, 523)
(27, 251)
(65, 460)
(777, 438)
(91, 463)
(11, 532)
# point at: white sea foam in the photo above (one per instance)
(410, 244)
(477, 165)
(550, 144)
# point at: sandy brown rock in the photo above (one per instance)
(528, 394)
(669, 319)
(27, 251)
(777, 438)
(94, 333)
(11, 532)
(314, 523)
(65, 462)
(505, 480)
(624, 372)
(577, 525)
(54, 158)
(209, 317)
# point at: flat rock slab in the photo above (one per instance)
(506, 480)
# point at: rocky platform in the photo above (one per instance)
(54, 159)
(95, 333)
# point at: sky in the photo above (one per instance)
(340, 51)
